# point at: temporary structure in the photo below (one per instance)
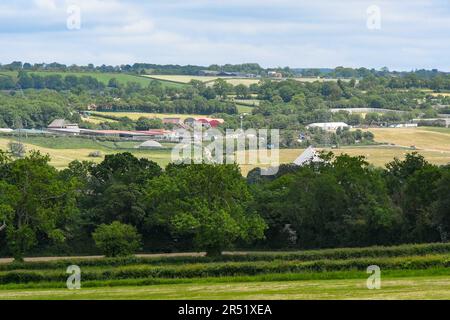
(308, 156)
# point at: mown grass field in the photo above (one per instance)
(407, 272)
(400, 288)
(137, 115)
(184, 79)
(376, 155)
(424, 138)
(232, 80)
(63, 150)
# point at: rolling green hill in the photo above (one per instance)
(103, 77)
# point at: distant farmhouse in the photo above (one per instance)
(175, 121)
(62, 126)
(329, 126)
(274, 74)
(205, 122)
(210, 73)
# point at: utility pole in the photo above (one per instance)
(242, 121)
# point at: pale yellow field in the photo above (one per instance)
(182, 78)
(206, 79)
(60, 158)
(231, 80)
(97, 120)
(433, 145)
(421, 138)
(137, 115)
(377, 156)
(244, 81)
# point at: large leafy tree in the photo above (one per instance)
(412, 185)
(441, 217)
(35, 203)
(115, 189)
(208, 202)
(340, 202)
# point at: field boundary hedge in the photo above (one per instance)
(299, 256)
(222, 269)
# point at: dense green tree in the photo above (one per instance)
(35, 202)
(208, 202)
(117, 239)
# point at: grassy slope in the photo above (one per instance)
(103, 77)
(423, 138)
(137, 115)
(64, 151)
(392, 288)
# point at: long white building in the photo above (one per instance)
(328, 126)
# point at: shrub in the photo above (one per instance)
(17, 149)
(95, 154)
(117, 239)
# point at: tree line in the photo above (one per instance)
(125, 202)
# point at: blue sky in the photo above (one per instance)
(414, 34)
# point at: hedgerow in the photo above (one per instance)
(223, 269)
(310, 255)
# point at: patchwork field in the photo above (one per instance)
(432, 143)
(428, 139)
(65, 150)
(182, 79)
(407, 272)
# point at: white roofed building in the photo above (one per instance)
(150, 144)
(329, 126)
(308, 156)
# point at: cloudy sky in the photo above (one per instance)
(412, 34)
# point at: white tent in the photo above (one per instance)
(308, 156)
(150, 144)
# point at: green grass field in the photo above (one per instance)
(392, 288)
(63, 150)
(407, 272)
(102, 77)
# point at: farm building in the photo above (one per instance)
(63, 127)
(205, 122)
(274, 74)
(150, 144)
(308, 156)
(156, 134)
(329, 126)
(404, 125)
(172, 121)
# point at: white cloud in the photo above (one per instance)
(46, 4)
(298, 33)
